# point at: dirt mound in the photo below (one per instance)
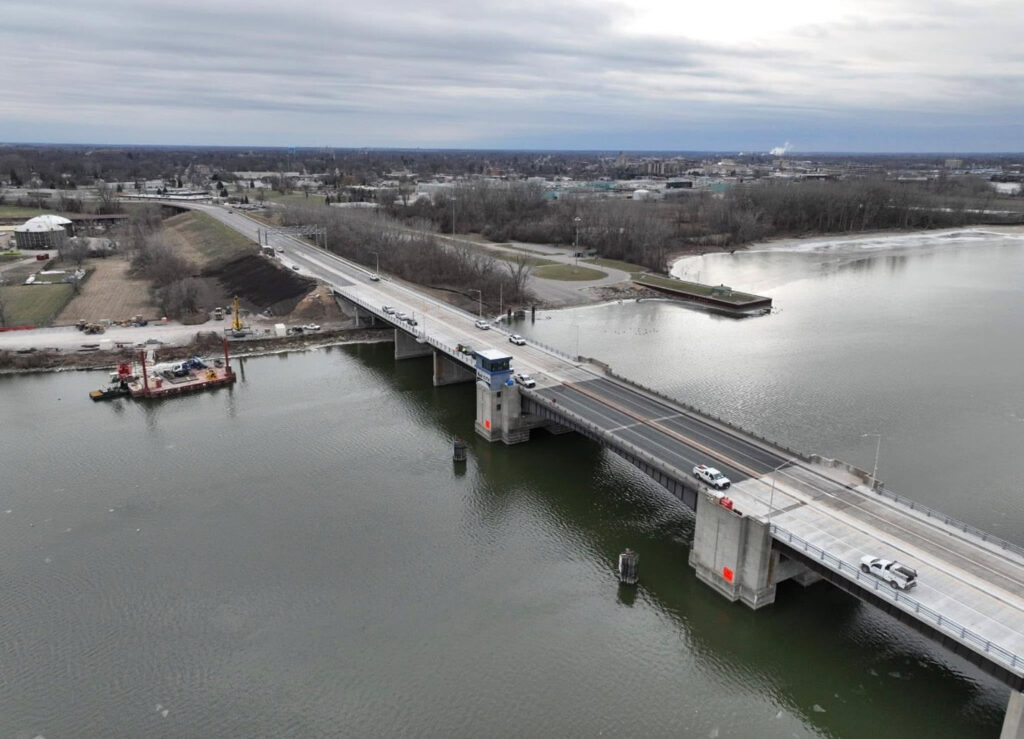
(318, 307)
(262, 283)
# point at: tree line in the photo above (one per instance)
(648, 232)
(408, 250)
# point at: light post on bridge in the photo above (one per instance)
(576, 242)
(377, 255)
(878, 448)
(771, 498)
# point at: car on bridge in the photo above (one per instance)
(525, 380)
(517, 340)
(483, 325)
(411, 321)
(312, 327)
(401, 316)
(899, 577)
(388, 310)
(711, 476)
(374, 278)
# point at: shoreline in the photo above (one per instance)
(782, 243)
(102, 361)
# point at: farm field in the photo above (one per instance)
(109, 292)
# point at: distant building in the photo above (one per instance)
(43, 232)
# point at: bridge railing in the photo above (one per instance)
(881, 491)
(705, 414)
(952, 522)
(906, 603)
(598, 433)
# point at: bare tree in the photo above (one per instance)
(519, 269)
(74, 250)
(107, 198)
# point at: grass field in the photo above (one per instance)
(210, 239)
(534, 262)
(616, 264)
(16, 211)
(568, 272)
(292, 198)
(34, 305)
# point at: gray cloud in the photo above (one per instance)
(520, 73)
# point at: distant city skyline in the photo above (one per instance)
(638, 75)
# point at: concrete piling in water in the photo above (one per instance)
(628, 566)
(459, 451)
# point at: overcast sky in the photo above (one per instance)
(822, 75)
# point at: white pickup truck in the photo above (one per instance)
(899, 577)
(711, 476)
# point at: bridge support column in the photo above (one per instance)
(406, 346)
(448, 372)
(1013, 721)
(733, 554)
(499, 414)
(358, 317)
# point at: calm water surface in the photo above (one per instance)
(297, 556)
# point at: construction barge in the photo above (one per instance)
(156, 382)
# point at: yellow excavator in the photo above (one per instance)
(236, 320)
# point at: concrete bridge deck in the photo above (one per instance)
(793, 515)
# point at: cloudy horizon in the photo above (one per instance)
(799, 75)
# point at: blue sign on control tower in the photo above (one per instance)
(493, 367)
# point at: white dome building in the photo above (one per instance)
(43, 232)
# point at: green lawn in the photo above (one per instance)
(568, 272)
(292, 198)
(17, 211)
(533, 262)
(211, 238)
(34, 305)
(616, 264)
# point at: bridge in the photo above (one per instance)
(787, 516)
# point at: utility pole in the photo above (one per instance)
(576, 242)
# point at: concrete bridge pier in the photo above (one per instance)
(406, 346)
(733, 553)
(1013, 721)
(358, 316)
(499, 414)
(448, 372)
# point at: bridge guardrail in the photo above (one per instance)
(895, 497)
(612, 441)
(883, 492)
(950, 521)
(706, 414)
(910, 605)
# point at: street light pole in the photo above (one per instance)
(878, 448)
(453, 215)
(377, 255)
(576, 242)
(771, 499)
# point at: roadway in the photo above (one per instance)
(973, 585)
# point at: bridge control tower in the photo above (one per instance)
(498, 405)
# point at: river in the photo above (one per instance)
(298, 556)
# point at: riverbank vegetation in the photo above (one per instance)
(646, 232)
(408, 249)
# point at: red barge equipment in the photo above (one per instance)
(187, 379)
